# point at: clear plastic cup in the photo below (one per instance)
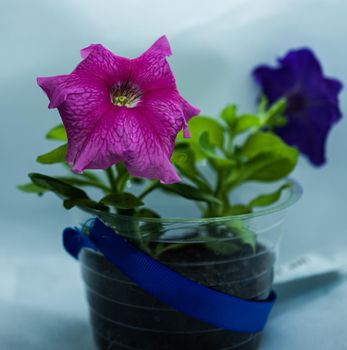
(234, 255)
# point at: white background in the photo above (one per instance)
(215, 44)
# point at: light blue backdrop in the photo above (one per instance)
(215, 45)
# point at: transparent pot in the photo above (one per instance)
(234, 255)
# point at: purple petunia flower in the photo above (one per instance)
(118, 109)
(312, 101)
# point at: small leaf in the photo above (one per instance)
(184, 160)
(267, 199)
(267, 158)
(57, 133)
(79, 180)
(31, 188)
(276, 109)
(237, 209)
(229, 115)
(60, 188)
(271, 166)
(199, 125)
(84, 203)
(204, 142)
(245, 122)
(190, 192)
(122, 200)
(261, 142)
(217, 162)
(263, 103)
(57, 155)
(278, 121)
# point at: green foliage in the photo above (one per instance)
(211, 153)
(198, 126)
(238, 124)
(84, 203)
(184, 160)
(265, 157)
(57, 133)
(267, 199)
(229, 115)
(57, 155)
(60, 188)
(31, 188)
(122, 200)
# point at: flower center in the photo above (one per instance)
(296, 102)
(125, 95)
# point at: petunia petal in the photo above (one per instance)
(81, 101)
(151, 71)
(126, 134)
(275, 82)
(103, 64)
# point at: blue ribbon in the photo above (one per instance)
(184, 295)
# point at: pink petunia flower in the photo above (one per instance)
(119, 109)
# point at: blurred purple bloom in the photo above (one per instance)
(119, 109)
(312, 100)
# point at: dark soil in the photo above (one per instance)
(125, 317)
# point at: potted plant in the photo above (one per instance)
(201, 282)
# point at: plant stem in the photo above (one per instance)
(111, 179)
(121, 181)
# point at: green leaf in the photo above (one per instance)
(58, 155)
(267, 199)
(57, 133)
(263, 103)
(60, 188)
(245, 122)
(277, 109)
(79, 180)
(229, 115)
(184, 160)
(237, 209)
(183, 157)
(190, 192)
(122, 200)
(259, 143)
(199, 125)
(31, 188)
(271, 166)
(278, 121)
(266, 158)
(84, 203)
(208, 148)
(216, 161)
